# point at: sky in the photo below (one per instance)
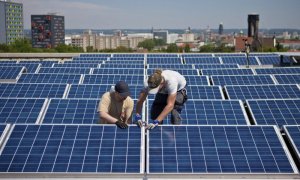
(166, 14)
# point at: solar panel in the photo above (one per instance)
(288, 78)
(197, 80)
(8, 62)
(33, 90)
(164, 60)
(262, 92)
(94, 59)
(162, 55)
(218, 149)
(128, 55)
(84, 62)
(95, 55)
(239, 60)
(124, 62)
(278, 70)
(210, 112)
(226, 72)
(123, 66)
(215, 66)
(184, 72)
(127, 59)
(112, 79)
(30, 67)
(202, 60)
(50, 78)
(242, 80)
(72, 149)
(275, 59)
(230, 55)
(196, 55)
(170, 66)
(47, 63)
(97, 90)
(76, 65)
(14, 110)
(275, 112)
(293, 134)
(118, 71)
(11, 74)
(65, 70)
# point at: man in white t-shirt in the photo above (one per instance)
(169, 87)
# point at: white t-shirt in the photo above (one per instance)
(174, 82)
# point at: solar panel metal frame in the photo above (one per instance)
(196, 55)
(215, 66)
(202, 60)
(292, 139)
(216, 175)
(53, 70)
(164, 60)
(285, 70)
(197, 80)
(74, 64)
(14, 73)
(124, 62)
(128, 71)
(227, 71)
(184, 72)
(287, 78)
(30, 67)
(222, 80)
(170, 66)
(50, 78)
(240, 60)
(109, 65)
(112, 79)
(263, 111)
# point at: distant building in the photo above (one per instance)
(221, 29)
(47, 31)
(265, 42)
(11, 22)
(161, 34)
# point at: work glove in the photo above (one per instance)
(153, 124)
(121, 124)
(138, 120)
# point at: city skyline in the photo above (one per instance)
(167, 14)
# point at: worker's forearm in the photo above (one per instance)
(139, 107)
(165, 112)
(106, 117)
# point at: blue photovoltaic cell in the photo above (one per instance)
(242, 80)
(162, 55)
(95, 55)
(226, 72)
(262, 54)
(170, 66)
(239, 60)
(113, 79)
(293, 134)
(47, 63)
(20, 110)
(164, 60)
(209, 112)
(76, 65)
(97, 90)
(196, 55)
(230, 55)
(275, 59)
(275, 112)
(2, 127)
(262, 92)
(119, 71)
(197, 80)
(184, 72)
(278, 70)
(82, 62)
(124, 62)
(288, 78)
(217, 149)
(201, 92)
(94, 59)
(65, 70)
(215, 66)
(50, 78)
(123, 66)
(202, 60)
(9, 73)
(8, 62)
(72, 149)
(129, 55)
(33, 90)
(127, 59)
(30, 67)
(72, 111)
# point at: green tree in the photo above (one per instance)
(147, 44)
(187, 48)
(172, 48)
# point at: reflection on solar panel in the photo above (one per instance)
(119, 71)
(72, 111)
(72, 148)
(97, 90)
(65, 70)
(272, 60)
(242, 80)
(184, 72)
(263, 92)
(123, 66)
(113, 79)
(202, 60)
(210, 112)
(11, 73)
(76, 65)
(215, 66)
(217, 149)
(33, 90)
(226, 72)
(20, 110)
(164, 60)
(196, 55)
(239, 60)
(124, 62)
(288, 78)
(275, 112)
(170, 66)
(278, 71)
(293, 134)
(50, 78)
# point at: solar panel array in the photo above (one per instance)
(232, 124)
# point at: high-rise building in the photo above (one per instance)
(253, 20)
(221, 29)
(11, 22)
(47, 31)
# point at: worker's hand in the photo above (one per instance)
(138, 120)
(121, 124)
(153, 124)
